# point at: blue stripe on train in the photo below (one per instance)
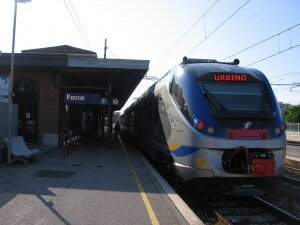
(184, 151)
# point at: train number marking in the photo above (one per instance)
(200, 162)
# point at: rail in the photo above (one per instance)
(285, 216)
(293, 169)
(291, 179)
(243, 210)
(222, 220)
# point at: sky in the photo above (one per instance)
(163, 31)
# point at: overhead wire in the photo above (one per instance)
(286, 77)
(284, 84)
(185, 33)
(260, 42)
(80, 23)
(271, 56)
(112, 53)
(297, 86)
(218, 27)
(287, 86)
(275, 89)
(281, 75)
(82, 33)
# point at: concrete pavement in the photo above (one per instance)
(96, 186)
(293, 136)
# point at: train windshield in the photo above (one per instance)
(236, 96)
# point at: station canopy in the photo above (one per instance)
(81, 69)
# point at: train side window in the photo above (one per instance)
(147, 113)
(172, 86)
(151, 104)
(175, 90)
(156, 109)
(185, 110)
(171, 83)
(178, 96)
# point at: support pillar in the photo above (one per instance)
(109, 113)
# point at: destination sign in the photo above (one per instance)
(230, 77)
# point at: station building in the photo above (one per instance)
(63, 88)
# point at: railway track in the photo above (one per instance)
(292, 179)
(293, 143)
(225, 210)
(250, 210)
(222, 209)
(279, 213)
(292, 169)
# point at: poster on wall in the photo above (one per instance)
(3, 89)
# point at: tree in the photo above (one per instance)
(292, 114)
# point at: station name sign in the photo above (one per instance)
(82, 98)
(86, 99)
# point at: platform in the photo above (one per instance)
(293, 136)
(94, 185)
(293, 149)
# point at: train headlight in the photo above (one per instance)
(277, 130)
(281, 128)
(200, 125)
(204, 127)
(211, 130)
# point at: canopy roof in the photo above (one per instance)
(81, 69)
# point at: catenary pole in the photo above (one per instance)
(105, 48)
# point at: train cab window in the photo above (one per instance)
(236, 96)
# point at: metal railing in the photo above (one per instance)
(70, 142)
(293, 127)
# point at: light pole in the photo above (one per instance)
(10, 83)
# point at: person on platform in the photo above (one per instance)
(117, 129)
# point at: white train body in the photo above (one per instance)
(210, 131)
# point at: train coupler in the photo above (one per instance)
(263, 164)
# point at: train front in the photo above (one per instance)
(237, 128)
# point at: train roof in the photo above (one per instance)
(187, 60)
(200, 67)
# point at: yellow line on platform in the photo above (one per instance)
(144, 197)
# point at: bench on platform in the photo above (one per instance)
(19, 149)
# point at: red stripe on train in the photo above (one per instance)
(251, 133)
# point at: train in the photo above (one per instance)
(210, 121)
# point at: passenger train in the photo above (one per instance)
(208, 119)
